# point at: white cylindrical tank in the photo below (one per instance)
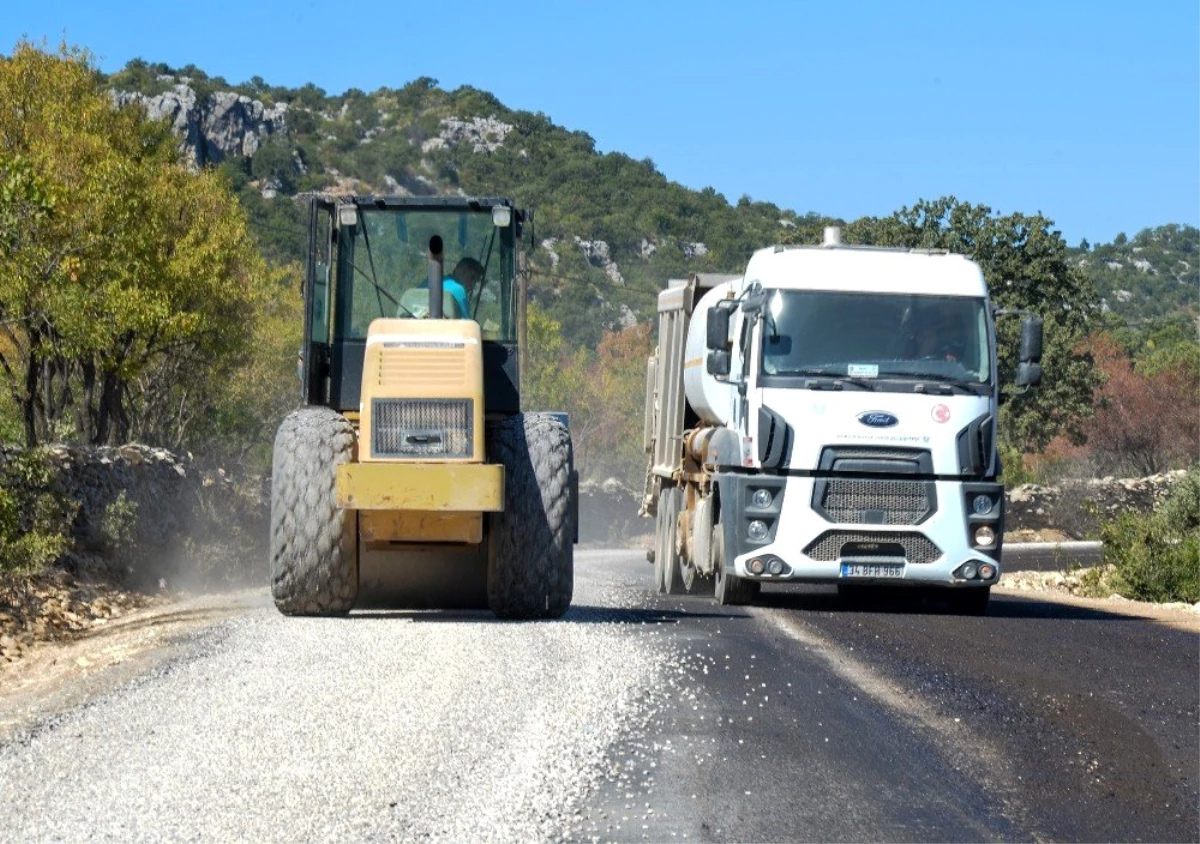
(711, 399)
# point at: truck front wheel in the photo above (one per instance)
(729, 589)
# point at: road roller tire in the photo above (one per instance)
(531, 555)
(314, 559)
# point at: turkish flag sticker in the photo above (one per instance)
(941, 413)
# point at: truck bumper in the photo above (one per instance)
(427, 487)
(815, 549)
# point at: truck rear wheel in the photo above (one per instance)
(729, 589)
(671, 576)
(314, 554)
(660, 530)
(531, 556)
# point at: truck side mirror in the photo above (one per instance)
(718, 362)
(1029, 374)
(718, 330)
(1031, 339)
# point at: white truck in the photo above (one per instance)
(829, 417)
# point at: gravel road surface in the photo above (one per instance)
(635, 718)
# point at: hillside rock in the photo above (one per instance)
(220, 125)
(596, 253)
(484, 134)
(608, 513)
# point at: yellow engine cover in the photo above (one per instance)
(422, 392)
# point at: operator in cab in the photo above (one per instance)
(459, 285)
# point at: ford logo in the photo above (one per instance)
(878, 419)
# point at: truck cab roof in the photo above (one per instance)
(866, 269)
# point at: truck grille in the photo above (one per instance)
(881, 502)
(421, 428)
(832, 545)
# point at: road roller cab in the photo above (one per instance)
(410, 477)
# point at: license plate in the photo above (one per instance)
(872, 570)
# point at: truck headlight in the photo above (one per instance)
(985, 537)
(757, 530)
(762, 498)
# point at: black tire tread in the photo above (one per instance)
(672, 571)
(531, 554)
(729, 589)
(314, 556)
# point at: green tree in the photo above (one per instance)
(548, 381)
(115, 260)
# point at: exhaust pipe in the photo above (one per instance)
(436, 275)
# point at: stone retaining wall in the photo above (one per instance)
(183, 524)
(1077, 508)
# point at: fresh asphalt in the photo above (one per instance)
(637, 717)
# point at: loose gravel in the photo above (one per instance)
(383, 726)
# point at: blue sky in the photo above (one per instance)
(1088, 112)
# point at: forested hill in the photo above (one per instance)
(1142, 278)
(611, 228)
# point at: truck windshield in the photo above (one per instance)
(876, 335)
(383, 269)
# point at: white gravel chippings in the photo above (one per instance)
(394, 727)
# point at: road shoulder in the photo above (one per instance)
(53, 677)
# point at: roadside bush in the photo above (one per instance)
(1155, 557)
(1181, 509)
(33, 516)
(1015, 470)
(118, 523)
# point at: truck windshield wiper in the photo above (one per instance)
(837, 377)
(941, 378)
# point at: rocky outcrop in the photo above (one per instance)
(596, 253)
(222, 124)
(152, 481)
(483, 134)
